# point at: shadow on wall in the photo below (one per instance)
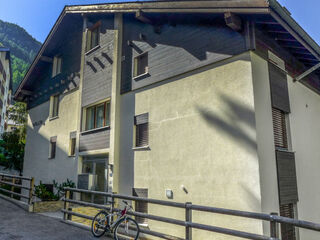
(37, 163)
(238, 123)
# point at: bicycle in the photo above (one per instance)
(123, 227)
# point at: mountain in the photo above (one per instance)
(23, 49)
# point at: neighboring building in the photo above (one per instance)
(5, 85)
(11, 125)
(186, 100)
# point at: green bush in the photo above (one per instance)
(44, 194)
(59, 187)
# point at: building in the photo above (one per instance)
(6, 85)
(194, 101)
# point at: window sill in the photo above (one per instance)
(53, 118)
(50, 158)
(94, 130)
(141, 148)
(141, 76)
(71, 156)
(92, 49)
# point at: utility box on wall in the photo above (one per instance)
(87, 181)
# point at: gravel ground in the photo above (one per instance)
(17, 224)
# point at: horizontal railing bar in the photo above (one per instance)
(238, 213)
(260, 216)
(15, 185)
(297, 223)
(77, 214)
(148, 200)
(230, 232)
(183, 223)
(203, 227)
(14, 176)
(160, 235)
(14, 193)
(86, 204)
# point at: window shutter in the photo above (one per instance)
(141, 207)
(142, 138)
(142, 130)
(53, 142)
(287, 180)
(279, 128)
(88, 47)
(142, 118)
(279, 88)
(287, 230)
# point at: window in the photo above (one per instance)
(141, 127)
(72, 144)
(56, 66)
(98, 116)
(141, 64)
(288, 231)
(54, 106)
(52, 147)
(93, 36)
(279, 128)
(141, 207)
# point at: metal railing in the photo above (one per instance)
(10, 183)
(272, 218)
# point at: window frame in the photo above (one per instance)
(72, 144)
(52, 147)
(54, 106)
(93, 29)
(106, 115)
(141, 141)
(141, 207)
(56, 66)
(136, 65)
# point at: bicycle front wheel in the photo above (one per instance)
(99, 224)
(127, 228)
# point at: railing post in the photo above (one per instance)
(188, 219)
(274, 229)
(66, 205)
(31, 190)
(12, 187)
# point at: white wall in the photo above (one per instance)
(36, 162)
(202, 135)
(265, 138)
(305, 133)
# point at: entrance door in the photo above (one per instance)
(95, 166)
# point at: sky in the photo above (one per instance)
(38, 16)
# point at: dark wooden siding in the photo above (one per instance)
(70, 51)
(94, 140)
(287, 179)
(279, 88)
(98, 67)
(177, 49)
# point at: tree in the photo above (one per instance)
(12, 151)
(18, 114)
(12, 143)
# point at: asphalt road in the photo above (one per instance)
(17, 224)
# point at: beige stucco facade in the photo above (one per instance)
(202, 136)
(305, 135)
(39, 130)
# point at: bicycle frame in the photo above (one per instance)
(121, 215)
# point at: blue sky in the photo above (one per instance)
(38, 16)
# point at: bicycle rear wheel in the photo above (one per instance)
(99, 224)
(127, 228)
